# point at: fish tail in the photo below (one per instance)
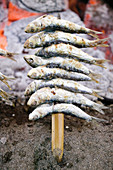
(99, 62)
(8, 78)
(99, 108)
(11, 55)
(98, 119)
(96, 95)
(4, 81)
(94, 33)
(95, 80)
(96, 75)
(92, 78)
(12, 58)
(4, 94)
(101, 42)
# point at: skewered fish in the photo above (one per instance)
(61, 56)
(64, 84)
(46, 109)
(43, 72)
(7, 54)
(48, 94)
(49, 22)
(58, 62)
(47, 38)
(66, 50)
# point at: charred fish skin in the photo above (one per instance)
(48, 94)
(49, 22)
(41, 112)
(45, 73)
(60, 83)
(66, 50)
(57, 62)
(47, 38)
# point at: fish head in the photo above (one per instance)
(39, 24)
(29, 59)
(32, 74)
(34, 26)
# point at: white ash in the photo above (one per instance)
(42, 5)
(101, 15)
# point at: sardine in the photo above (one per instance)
(66, 50)
(44, 110)
(61, 83)
(45, 73)
(57, 62)
(7, 54)
(49, 22)
(47, 94)
(47, 38)
(4, 79)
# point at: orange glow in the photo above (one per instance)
(14, 13)
(103, 31)
(3, 40)
(93, 2)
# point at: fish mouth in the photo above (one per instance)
(27, 29)
(26, 44)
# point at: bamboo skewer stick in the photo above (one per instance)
(58, 135)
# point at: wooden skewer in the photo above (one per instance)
(58, 135)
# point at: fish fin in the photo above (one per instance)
(43, 16)
(59, 16)
(100, 42)
(98, 119)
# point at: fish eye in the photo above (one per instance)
(31, 60)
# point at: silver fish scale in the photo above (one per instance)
(55, 71)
